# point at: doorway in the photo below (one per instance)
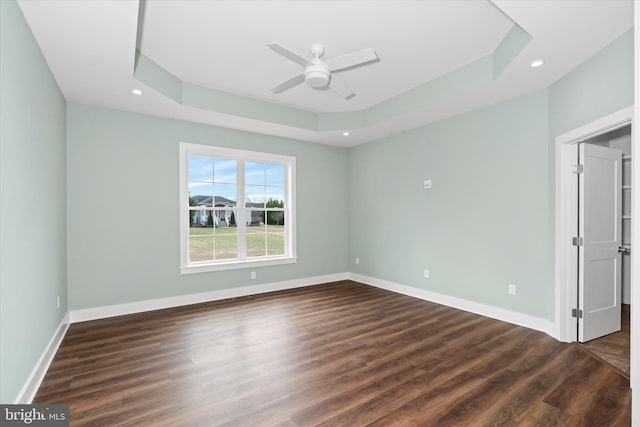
(613, 131)
(607, 338)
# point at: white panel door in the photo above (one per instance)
(600, 225)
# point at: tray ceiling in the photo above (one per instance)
(207, 61)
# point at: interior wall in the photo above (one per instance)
(32, 203)
(484, 223)
(601, 85)
(489, 219)
(123, 211)
(620, 139)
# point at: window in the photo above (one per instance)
(237, 208)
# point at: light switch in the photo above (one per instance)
(427, 183)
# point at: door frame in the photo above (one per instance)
(566, 217)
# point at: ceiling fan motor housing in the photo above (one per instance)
(317, 75)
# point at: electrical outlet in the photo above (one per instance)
(253, 275)
(357, 261)
(511, 290)
(426, 274)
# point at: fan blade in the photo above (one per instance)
(340, 88)
(351, 60)
(288, 84)
(289, 54)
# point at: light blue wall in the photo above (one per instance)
(123, 207)
(489, 219)
(32, 202)
(483, 225)
(599, 86)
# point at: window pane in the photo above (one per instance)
(275, 193)
(200, 193)
(219, 219)
(198, 228)
(200, 231)
(275, 244)
(275, 175)
(193, 219)
(228, 218)
(275, 218)
(201, 218)
(254, 196)
(200, 248)
(256, 245)
(254, 173)
(226, 244)
(224, 171)
(275, 197)
(255, 221)
(275, 222)
(225, 195)
(200, 168)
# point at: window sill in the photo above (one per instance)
(236, 265)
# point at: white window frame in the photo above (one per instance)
(241, 156)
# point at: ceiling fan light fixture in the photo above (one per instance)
(317, 75)
(316, 78)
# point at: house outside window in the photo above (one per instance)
(237, 208)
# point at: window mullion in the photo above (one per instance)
(212, 212)
(184, 203)
(241, 222)
(288, 211)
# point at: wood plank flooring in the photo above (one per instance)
(615, 348)
(339, 354)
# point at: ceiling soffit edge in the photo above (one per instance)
(473, 75)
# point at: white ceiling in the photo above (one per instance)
(222, 45)
(90, 47)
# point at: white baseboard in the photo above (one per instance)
(30, 388)
(520, 319)
(509, 316)
(32, 384)
(102, 312)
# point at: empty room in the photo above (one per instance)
(303, 213)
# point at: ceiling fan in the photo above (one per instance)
(318, 73)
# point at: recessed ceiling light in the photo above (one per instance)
(537, 63)
(136, 91)
(345, 133)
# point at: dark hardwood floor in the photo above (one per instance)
(339, 354)
(615, 348)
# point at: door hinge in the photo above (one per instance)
(578, 169)
(577, 241)
(577, 313)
